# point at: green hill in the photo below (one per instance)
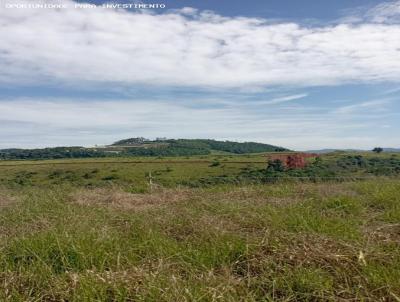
(143, 147)
(178, 147)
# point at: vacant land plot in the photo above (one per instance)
(273, 242)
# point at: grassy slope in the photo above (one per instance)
(285, 242)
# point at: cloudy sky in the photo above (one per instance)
(301, 74)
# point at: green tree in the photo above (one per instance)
(275, 166)
(377, 150)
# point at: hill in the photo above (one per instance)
(143, 147)
(203, 146)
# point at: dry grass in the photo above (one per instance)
(6, 199)
(160, 197)
(120, 199)
(389, 233)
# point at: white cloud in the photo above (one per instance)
(386, 12)
(118, 50)
(190, 48)
(374, 105)
(283, 99)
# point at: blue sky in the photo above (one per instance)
(277, 9)
(300, 74)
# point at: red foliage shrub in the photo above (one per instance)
(292, 160)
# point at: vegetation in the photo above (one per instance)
(325, 168)
(281, 242)
(201, 228)
(194, 171)
(135, 141)
(50, 153)
(346, 165)
(378, 149)
(142, 147)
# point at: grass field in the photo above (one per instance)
(130, 173)
(133, 173)
(114, 240)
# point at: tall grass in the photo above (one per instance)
(282, 242)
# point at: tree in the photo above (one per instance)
(377, 150)
(275, 166)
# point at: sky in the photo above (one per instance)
(304, 75)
